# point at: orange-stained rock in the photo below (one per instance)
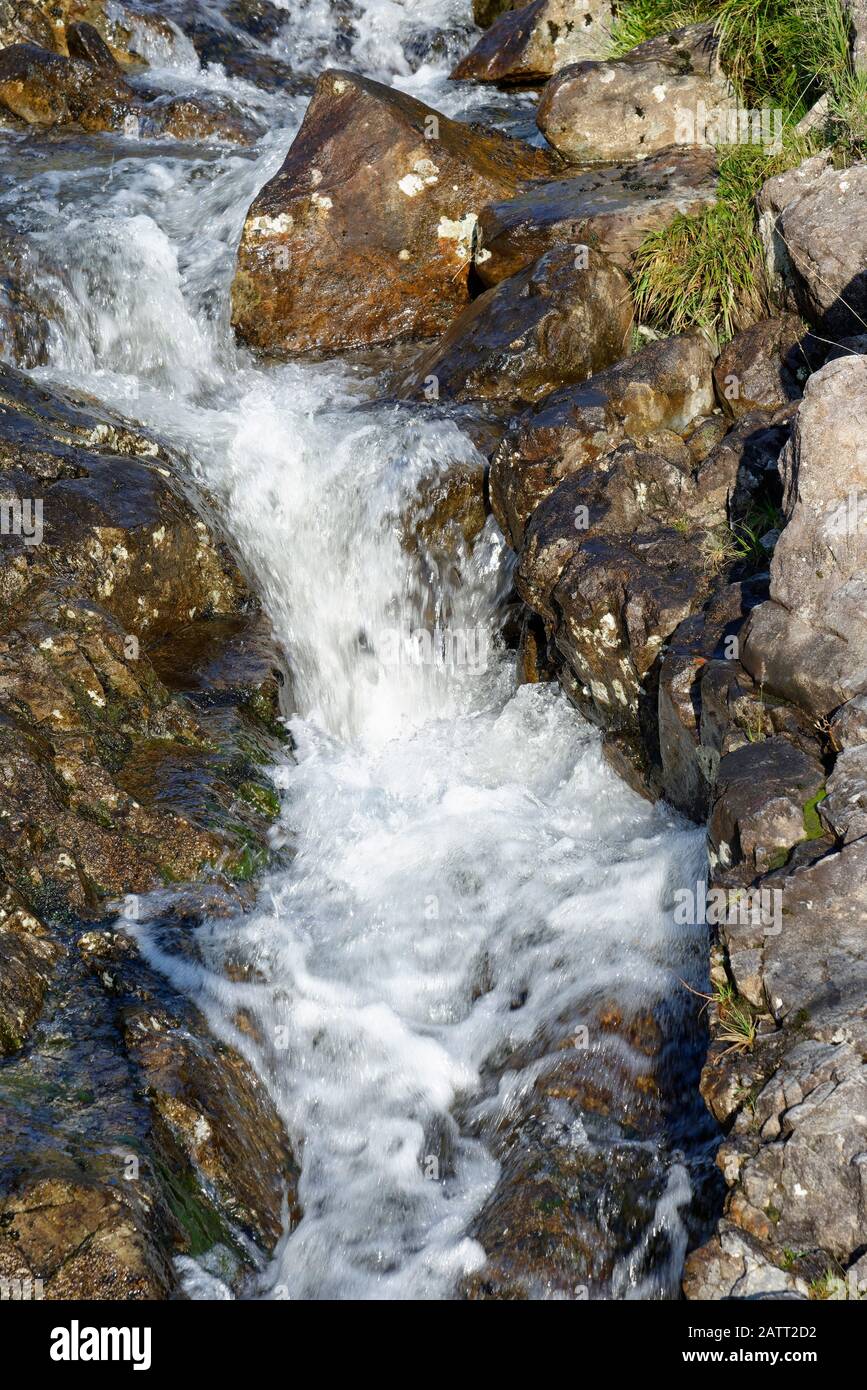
(367, 233)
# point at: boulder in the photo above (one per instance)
(48, 90)
(611, 209)
(812, 221)
(639, 104)
(761, 805)
(529, 44)
(809, 643)
(367, 232)
(764, 367)
(567, 316)
(665, 386)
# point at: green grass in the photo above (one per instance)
(707, 272)
(782, 52)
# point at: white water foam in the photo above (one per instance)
(459, 845)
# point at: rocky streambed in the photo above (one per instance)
(385, 612)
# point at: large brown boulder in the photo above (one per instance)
(529, 44)
(564, 318)
(666, 386)
(367, 233)
(610, 209)
(638, 104)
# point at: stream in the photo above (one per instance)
(466, 878)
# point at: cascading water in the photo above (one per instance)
(466, 871)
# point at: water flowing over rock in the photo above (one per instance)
(524, 45)
(611, 209)
(367, 233)
(632, 107)
(48, 90)
(563, 319)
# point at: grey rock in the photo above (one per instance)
(844, 809)
(759, 800)
(639, 104)
(810, 642)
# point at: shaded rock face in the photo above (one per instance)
(764, 367)
(611, 209)
(131, 1136)
(367, 233)
(47, 90)
(807, 643)
(567, 316)
(664, 387)
(524, 45)
(637, 105)
(812, 222)
(762, 793)
(138, 703)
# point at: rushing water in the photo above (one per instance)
(466, 868)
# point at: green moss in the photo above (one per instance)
(262, 798)
(812, 822)
(200, 1222)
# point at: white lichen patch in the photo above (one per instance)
(462, 231)
(660, 92)
(270, 226)
(403, 255)
(321, 201)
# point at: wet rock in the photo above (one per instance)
(28, 954)
(486, 11)
(529, 44)
(49, 90)
(761, 803)
(577, 1185)
(131, 1137)
(812, 222)
(808, 643)
(636, 105)
(95, 499)
(45, 89)
(367, 233)
(611, 209)
(563, 319)
(763, 367)
(26, 21)
(663, 387)
(84, 42)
